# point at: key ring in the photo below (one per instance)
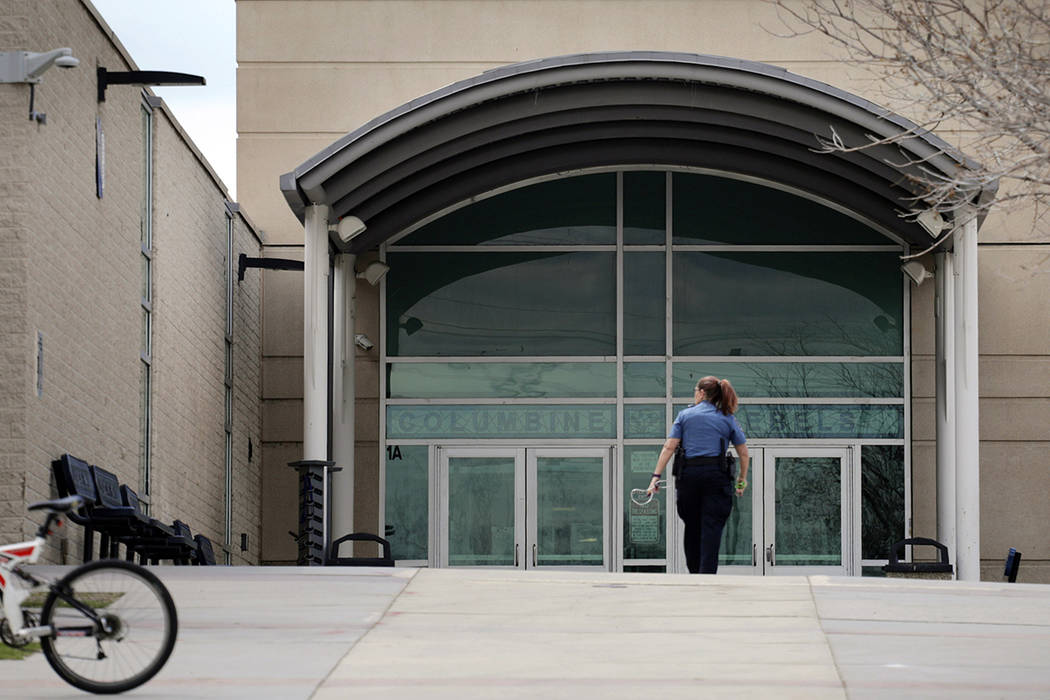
(637, 493)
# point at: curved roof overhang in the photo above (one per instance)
(542, 117)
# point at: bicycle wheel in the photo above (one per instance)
(130, 640)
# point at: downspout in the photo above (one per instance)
(343, 397)
(967, 399)
(944, 395)
(315, 334)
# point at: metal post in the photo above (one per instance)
(967, 398)
(944, 319)
(315, 334)
(343, 396)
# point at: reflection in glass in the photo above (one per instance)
(504, 304)
(792, 304)
(712, 209)
(407, 507)
(567, 211)
(644, 380)
(644, 303)
(644, 421)
(882, 499)
(802, 379)
(481, 511)
(644, 527)
(808, 511)
(569, 524)
(644, 208)
(482, 380)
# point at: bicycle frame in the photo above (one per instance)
(17, 585)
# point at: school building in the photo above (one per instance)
(582, 207)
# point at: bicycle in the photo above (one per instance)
(105, 627)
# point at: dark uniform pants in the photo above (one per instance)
(704, 499)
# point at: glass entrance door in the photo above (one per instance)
(739, 554)
(795, 518)
(568, 508)
(524, 508)
(807, 511)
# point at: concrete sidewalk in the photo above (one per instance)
(404, 633)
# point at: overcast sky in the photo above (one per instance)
(188, 36)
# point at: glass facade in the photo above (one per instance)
(582, 311)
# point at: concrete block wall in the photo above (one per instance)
(75, 265)
(15, 351)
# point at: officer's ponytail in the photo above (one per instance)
(720, 393)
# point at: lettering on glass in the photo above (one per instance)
(501, 421)
(393, 452)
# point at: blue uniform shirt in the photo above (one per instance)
(705, 431)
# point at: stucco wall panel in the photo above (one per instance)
(503, 31)
(924, 489)
(1015, 478)
(1014, 288)
(279, 496)
(261, 159)
(282, 306)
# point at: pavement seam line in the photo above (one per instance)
(353, 646)
(824, 632)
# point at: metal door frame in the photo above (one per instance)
(531, 509)
(849, 495)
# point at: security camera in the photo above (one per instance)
(363, 342)
(67, 62)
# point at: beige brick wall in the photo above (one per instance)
(75, 269)
(15, 349)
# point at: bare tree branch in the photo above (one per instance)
(979, 67)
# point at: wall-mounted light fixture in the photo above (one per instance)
(932, 221)
(349, 227)
(916, 271)
(142, 77)
(374, 272)
(28, 67)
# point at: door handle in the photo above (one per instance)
(770, 557)
(515, 555)
(754, 554)
(534, 555)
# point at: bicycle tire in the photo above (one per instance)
(143, 627)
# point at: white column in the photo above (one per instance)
(944, 320)
(967, 428)
(315, 334)
(344, 300)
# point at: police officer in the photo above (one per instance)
(705, 486)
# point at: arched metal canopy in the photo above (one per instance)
(632, 108)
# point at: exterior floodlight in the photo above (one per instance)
(916, 271)
(27, 67)
(932, 221)
(350, 226)
(374, 272)
(362, 341)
